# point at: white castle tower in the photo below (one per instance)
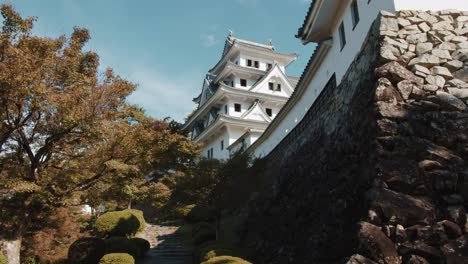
(240, 96)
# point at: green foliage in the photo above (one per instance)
(118, 223)
(210, 250)
(200, 213)
(133, 246)
(3, 259)
(203, 232)
(226, 260)
(117, 258)
(139, 215)
(86, 251)
(181, 212)
(142, 244)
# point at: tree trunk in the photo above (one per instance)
(129, 205)
(11, 249)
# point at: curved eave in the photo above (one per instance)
(234, 68)
(237, 46)
(228, 120)
(321, 19)
(227, 90)
(314, 64)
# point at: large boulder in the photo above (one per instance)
(404, 209)
(395, 72)
(374, 244)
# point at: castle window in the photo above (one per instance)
(257, 64)
(249, 63)
(342, 36)
(271, 86)
(222, 144)
(269, 112)
(355, 13)
(269, 66)
(243, 82)
(278, 87)
(237, 107)
(225, 109)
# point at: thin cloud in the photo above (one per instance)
(161, 96)
(208, 40)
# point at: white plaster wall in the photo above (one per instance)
(433, 5)
(244, 107)
(237, 84)
(215, 143)
(264, 88)
(235, 133)
(336, 61)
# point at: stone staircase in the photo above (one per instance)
(167, 246)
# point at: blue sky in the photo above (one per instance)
(166, 46)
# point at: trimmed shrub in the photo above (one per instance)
(3, 259)
(142, 244)
(137, 247)
(117, 258)
(226, 260)
(183, 211)
(202, 225)
(119, 223)
(200, 213)
(122, 245)
(210, 250)
(203, 233)
(88, 250)
(138, 214)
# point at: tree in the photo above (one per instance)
(65, 128)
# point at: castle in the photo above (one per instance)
(240, 96)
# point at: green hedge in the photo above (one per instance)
(203, 234)
(200, 213)
(138, 214)
(137, 247)
(3, 259)
(87, 250)
(226, 260)
(210, 249)
(117, 258)
(120, 223)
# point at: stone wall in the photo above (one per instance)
(377, 172)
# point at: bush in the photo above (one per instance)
(138, 214)
(3, 259)
(117, 258)
(119, 223)
(226, 260)
(200, 213)
(88, 250)
(199, 226)
(142, 244)
(183, 211)
(203, 232)
(210, 250)
(137, 247)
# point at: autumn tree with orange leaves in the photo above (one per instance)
(65, 129)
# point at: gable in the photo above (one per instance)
(276, 76)
(257, 113)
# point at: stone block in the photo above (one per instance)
(426, 60)
(442, 71)
(453, 65)
(422, 48)
(436, 80)
(417, 38)
(389, 24)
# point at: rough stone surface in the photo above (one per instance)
(375, 244)
(450, 102)
(422, 48)
(426, 60)
(369, 151)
